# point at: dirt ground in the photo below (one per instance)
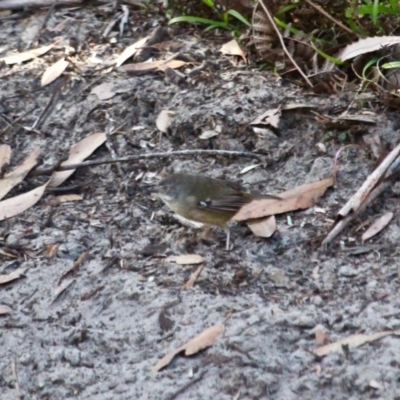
(124, 307)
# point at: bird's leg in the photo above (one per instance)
(228, 236)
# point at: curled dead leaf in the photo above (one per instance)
(54, 71)
(232, 48)
(205, 339)
(130, 51)
(269, 118)
(17, 175)
(193, 277)
(158, 65)
(26, 55)
(5, 310)
(186, 259)
(377, 226)
(367, 45)
(18, 204)
(299, 198)
(5, 155)
(78, 152)
(164, 120)
(13, 276)
(264, 227)
(352, 341)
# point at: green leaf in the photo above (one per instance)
(331, 59)
(239, 16)
(199, 20)
(371, 62)
(375, 12)
(390, 65)
(209, 3)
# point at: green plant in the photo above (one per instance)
(223, 21)
(374, 9)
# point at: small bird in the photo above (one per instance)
(204, 199)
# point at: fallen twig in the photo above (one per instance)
(374, 185)
(232, 153)
(16, 4)
(327, 15)
(356, 201)
(272, 22)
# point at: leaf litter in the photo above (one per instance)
(299, 198)
(352, 342)
(54, 71)
(200, 342)
(379, 224)
(18, 174)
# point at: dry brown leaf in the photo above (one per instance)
(8, 254)
(55, 201)
(153, 65)
(232, 48)
(299, 198)
(54, 71)
(18, 174)
(5, 156)
(208, 134)
(78, 152)
(249, 168)
(18, 204)
(190, 283)
(205, 339)
(270, 117)
(186, 259)
(366, 46)
(69, 197)
(377, 226)
(51, 251)
(13, 276)
(130, 51)
(264, 227)
(166, 360)
(164, 120)
(26, 55)
(352, 341)
(321, 337)
(5, 310)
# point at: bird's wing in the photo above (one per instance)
(230, 203)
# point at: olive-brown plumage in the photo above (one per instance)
(204, 199)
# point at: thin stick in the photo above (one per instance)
(46, 19)
(349, 217)
(15, 4)
(148, 155)
(356, 201)
(272, 22)
(50, 105)
(173, 396)
(325, 14)
(17, 120)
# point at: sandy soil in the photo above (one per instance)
(124, 307)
